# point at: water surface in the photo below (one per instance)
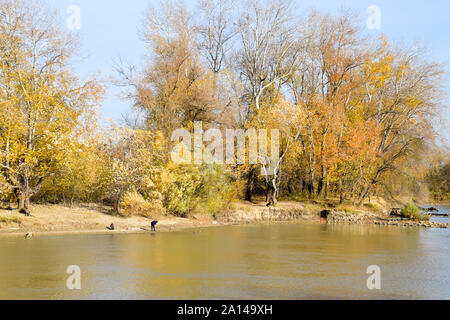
(278, 261)
(442, 209)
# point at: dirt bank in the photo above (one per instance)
(55, 219)
(87, 219)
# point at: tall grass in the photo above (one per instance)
(10, 218)
(411, 211)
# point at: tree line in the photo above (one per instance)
(358, 116)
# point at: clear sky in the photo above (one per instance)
(109, 31)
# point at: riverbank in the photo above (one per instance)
(383, 220)
(93, 219)
(88, 219)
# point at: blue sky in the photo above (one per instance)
(109, 32)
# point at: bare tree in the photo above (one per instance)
(269, 44)
(216, 31)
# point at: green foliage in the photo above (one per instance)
(411, 211)
(204, 189)
(215, 191)
(179, 186)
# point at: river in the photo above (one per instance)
(261, 261)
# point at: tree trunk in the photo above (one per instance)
(24, 203)
(290, 188)
(21, 202)
(250, 184)
(364, 195)
(271, 195)
(117, 204)
(23, 199)
(27, 201)
(341, 193)
(310, 188)
(320, 186)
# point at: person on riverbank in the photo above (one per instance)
(153, 225)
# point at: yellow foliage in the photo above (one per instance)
(134, 204)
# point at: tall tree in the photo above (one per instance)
(173, 89)
(43, 106)
(403, 96)
(268, 54)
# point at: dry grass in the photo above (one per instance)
(348, 208)
(236, 205)
(10, 217)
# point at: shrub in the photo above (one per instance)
(216, 190)
(180, 185)
(411, 211)
(134, 204)
(200, 189)
(373, 206)
(10, 218)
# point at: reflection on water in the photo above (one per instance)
(442, 209)
(280, 261)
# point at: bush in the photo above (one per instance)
(411, 211)
(10, 218)
(373, 206)
(200, 189)
(216, 190)
(134, 204)
(180, 185)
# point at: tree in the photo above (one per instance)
(173, 89)
(438, 180)
(43, 106)
(267, 57)
(402, 95)
(216, 32)
(322, 87)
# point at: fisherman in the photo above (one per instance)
(111, 227)
(153, 224)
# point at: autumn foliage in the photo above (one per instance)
(357, 115)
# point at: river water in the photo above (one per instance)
(276, 261)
